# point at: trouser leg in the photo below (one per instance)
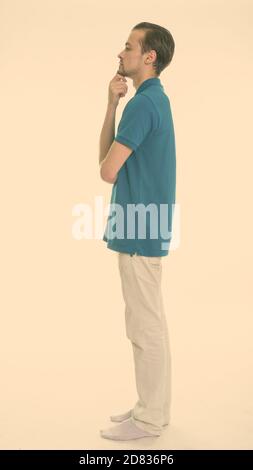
(146, 328)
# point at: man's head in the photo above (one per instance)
(149, 49)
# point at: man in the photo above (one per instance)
(140, 162)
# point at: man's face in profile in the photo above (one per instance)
(131, 58)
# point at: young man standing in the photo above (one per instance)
(140, 162)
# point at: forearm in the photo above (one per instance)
(108, 132)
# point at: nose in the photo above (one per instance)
(121, 54)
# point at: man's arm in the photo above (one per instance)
(108, 132)
(109, 154)
(139, 119)
(115, 158)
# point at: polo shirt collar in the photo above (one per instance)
(149, 81)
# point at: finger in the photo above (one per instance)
(120, 77)
(122, 89)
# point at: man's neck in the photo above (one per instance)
(137, 81)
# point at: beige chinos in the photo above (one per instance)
(146, 328)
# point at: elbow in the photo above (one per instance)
(107, 176)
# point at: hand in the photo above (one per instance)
(117, 89)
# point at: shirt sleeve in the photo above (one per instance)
(139, 118)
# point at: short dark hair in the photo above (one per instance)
(161, 40)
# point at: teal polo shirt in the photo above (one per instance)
(143, 196)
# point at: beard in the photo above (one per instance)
(121, 71)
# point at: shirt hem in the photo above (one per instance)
(138, 251)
